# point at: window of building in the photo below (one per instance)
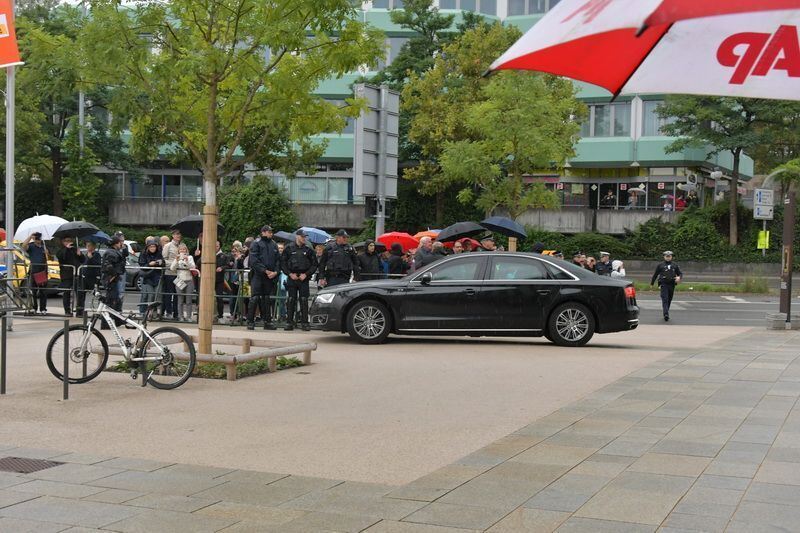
(388, 4)
(652, 122)
(608, 120)
(350, 125)
(529, 7)
(468, 5)
(338, 190)
(193, 188)
(448, 4)
(172, 187)
(488, 7)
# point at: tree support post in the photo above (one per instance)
(207, 274)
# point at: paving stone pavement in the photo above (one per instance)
(702, 440)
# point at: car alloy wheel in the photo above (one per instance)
(572, 324)
(369, 322)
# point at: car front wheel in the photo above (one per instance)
(368, 322)
(571, 324)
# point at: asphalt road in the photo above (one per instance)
(710, 309)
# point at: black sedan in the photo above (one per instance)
(482, 294)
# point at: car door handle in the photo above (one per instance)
(469, 292)
(543, 292)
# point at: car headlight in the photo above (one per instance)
(326, 298)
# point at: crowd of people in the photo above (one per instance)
(261, 279)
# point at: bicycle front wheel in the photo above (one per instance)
(175, 353)
(84, 364)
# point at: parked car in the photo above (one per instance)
(22, 268)
(482, 294)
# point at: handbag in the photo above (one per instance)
(40, 278)
(180, 284)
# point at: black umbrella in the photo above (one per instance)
(379, 246)
(505, 226)
(77, 229)
(192, 226)
(284, 236)
(460, 230)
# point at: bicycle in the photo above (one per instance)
(158, 363)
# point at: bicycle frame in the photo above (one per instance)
(107, 313)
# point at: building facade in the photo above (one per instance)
(622, 152)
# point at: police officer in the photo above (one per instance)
(338, 262)
(299, 262)
(112, 267)
(603, 268)
(265, 265)
(668, 275)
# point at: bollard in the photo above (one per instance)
(3, 347)
(66, 359)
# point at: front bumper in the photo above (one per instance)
(326, 317)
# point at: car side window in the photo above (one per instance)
(517, 268)
(557, 273)
(458, 270)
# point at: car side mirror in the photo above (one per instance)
(426, 278)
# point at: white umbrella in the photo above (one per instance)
(745, 48)
(44, 224)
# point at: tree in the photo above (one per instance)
(221, 83)
(718, 124)
(788, 175)
(437, 98)
(523, 122)
(244, 208)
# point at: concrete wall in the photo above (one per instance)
(150, 212)
(578, 220)
(331, 216)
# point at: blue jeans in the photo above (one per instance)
(148, 295)
(121, 287)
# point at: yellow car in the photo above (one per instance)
(22, 266)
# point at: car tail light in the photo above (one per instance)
(630, 292)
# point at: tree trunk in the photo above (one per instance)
(734, 200)
(439, 208)
(58, 172)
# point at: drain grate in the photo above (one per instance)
(23, 465)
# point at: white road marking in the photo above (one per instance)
(734, 299)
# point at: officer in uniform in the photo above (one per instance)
(338, 262)
(265, 265)
(603, 268)
(668, 275)
(299, 262)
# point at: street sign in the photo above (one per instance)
(763, 200)
(763, 240)
(376, 146)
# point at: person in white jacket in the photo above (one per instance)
(183, 265)
(617, 269)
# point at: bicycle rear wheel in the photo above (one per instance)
(84, 365)
(176, 353)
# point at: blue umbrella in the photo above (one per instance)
(316, 236)
(100, 237)
(505, 226)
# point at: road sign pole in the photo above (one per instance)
(787, 261)
(764, 229)
(10, 141)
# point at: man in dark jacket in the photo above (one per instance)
(299, 262)
(113, 268)
(90, 276)
(397, 262)
(338, 262)
(265, 264)
(369, 263)
(153, 258)
(603, 268)
(668, 275)
(70, 259)
(424, 255)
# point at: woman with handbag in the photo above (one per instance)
(184, 265)
(37, 254)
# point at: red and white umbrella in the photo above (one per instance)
(716, 47)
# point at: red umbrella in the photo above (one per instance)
(717, 47)
(405, 240)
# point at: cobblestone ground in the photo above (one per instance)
(702, 440)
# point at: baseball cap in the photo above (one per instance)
(342, 233)
(266, 227)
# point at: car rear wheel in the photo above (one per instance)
(571, 324)
(368, 322)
